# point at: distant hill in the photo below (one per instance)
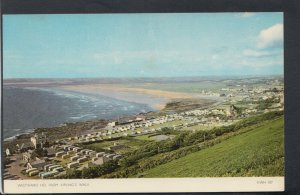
(167, 80)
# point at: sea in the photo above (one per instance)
(27, 108)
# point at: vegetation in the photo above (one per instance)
(156, 153)
(264, 104)
(7, 161)
(254, 153)
(251, 147)
(91, 172)
(39, 152)
(187, 104)
(131, 142)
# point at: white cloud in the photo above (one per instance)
(271, 37)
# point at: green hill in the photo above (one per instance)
(259, 152)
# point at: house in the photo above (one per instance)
(109, 156)
(117, 157)
(112, 124)
(100, 154)
(38, 140)
(74, 158)
(50, 152)
(116, 147)
(48, 174)
(76, 149)
(83, 151)
(27, 155)
(87, 165)
(140, 117)
(39, 164)
(65, 156)
(7, 152)
(78, 154)
(29, 170)
(70, 152)
(231, 111)
(24, 147)
(98, 161)
(58, 169)
(33, 173)
(281, 101)
(47, 166)
(51, 168)
(92, 153)
(87, 151)
(73, 165)
(60, 153)
(83, 159)
(70, 148)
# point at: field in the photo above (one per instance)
(166, 124)
(255, 153)
(130, 143)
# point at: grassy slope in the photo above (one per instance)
(131, 142)
(255, 153)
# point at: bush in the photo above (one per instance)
(156, 153)
(39, 152)
(72, 174)
(100, 170)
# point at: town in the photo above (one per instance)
(42, 158)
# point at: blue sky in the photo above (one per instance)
(142, 45)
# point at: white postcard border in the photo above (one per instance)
(224, 184)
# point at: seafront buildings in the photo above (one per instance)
(40, 159)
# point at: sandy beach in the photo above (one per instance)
(157, 99)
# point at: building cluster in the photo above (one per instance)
(70, 153)
(55, 160)
(252, 93)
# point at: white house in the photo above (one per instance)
(7, 152)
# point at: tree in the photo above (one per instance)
(39, 152)
(72, 174)
(7, 161)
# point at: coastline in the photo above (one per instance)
(78, 128)
(86, 107)
(157, 99)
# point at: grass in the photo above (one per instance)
(199, 127)
(144, 137)
(132, 144)
(166, 124)
(259, 152)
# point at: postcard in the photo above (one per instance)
(144, 102)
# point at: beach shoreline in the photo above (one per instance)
(157, 99)
(77, 128)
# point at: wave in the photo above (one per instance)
(30, 108)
